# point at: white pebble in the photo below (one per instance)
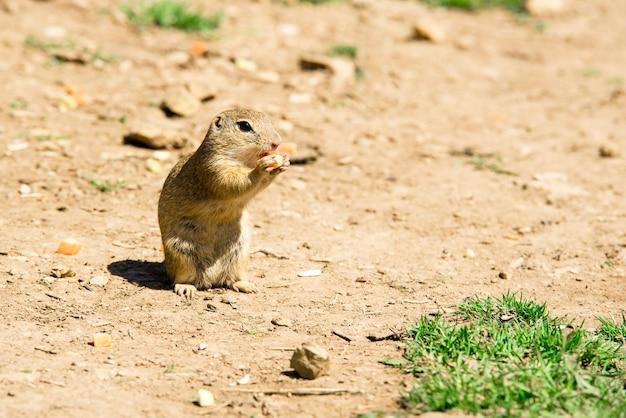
(310, 273)
(205, 398)
(99, 280)
(244, 380)
(25, 189)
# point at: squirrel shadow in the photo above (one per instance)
(144, 273)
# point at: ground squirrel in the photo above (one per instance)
(202, 205)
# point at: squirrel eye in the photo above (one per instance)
(244, 126)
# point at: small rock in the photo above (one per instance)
(267, 76)
(180, 58)
(25, 189)
(558, 272)
(469, 253)
(161, 155)
(310, 273)
(155, 138)
(297, 184)
(199, 48)
(60, 271)
(288, 29)
(54, 32)
(300, 98)
(345, 160)
(503, 275)
(281, 322)
(246, 379)
(557, 185)
(48, 280)
(608, 151)
(543, 8)
(68, 246)
(17, 146)
(17, 273)
(204, 398)
(202, 346)
(427, 30)
(517, 263)
(310, 361)
(227, 300)
(211, 307)
(246, 65)
(153, 166)
(67, 102)
(342, 70)
(506, 317)
(180, 103)
(99, 281)
(101, 339)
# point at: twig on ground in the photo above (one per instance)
(343, 337)
(296, 392)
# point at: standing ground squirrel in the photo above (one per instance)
(202, 205)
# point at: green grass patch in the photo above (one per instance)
(508, 357)
(490, 163)
(471, 5)
(66, 50)
(106, 186)
(174, 14)
(345, 50)
(18, 104)
(46, 45)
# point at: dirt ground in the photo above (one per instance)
(391, 207)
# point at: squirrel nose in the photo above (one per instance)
(274, 146)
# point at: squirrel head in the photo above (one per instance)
(243, 135)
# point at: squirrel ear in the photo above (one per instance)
(218, 122)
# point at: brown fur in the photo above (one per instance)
(202, 205)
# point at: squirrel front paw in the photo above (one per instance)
(274, 163)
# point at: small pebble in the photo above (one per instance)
(153, 166)
(246, 65)
(99, 281)
(428, 31)
(310, 361)
(469, 253)
(310, 273)
(68, 246)
(227, 300)
(300, 98)
(17, 146)
(517, 263)
(161, 155)
(181, 103)
(60, 271)
(244, 380)
(202, 346)
(25, 189)
(281, 322)
(608, 151)
(101, 339)
(204, 398)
